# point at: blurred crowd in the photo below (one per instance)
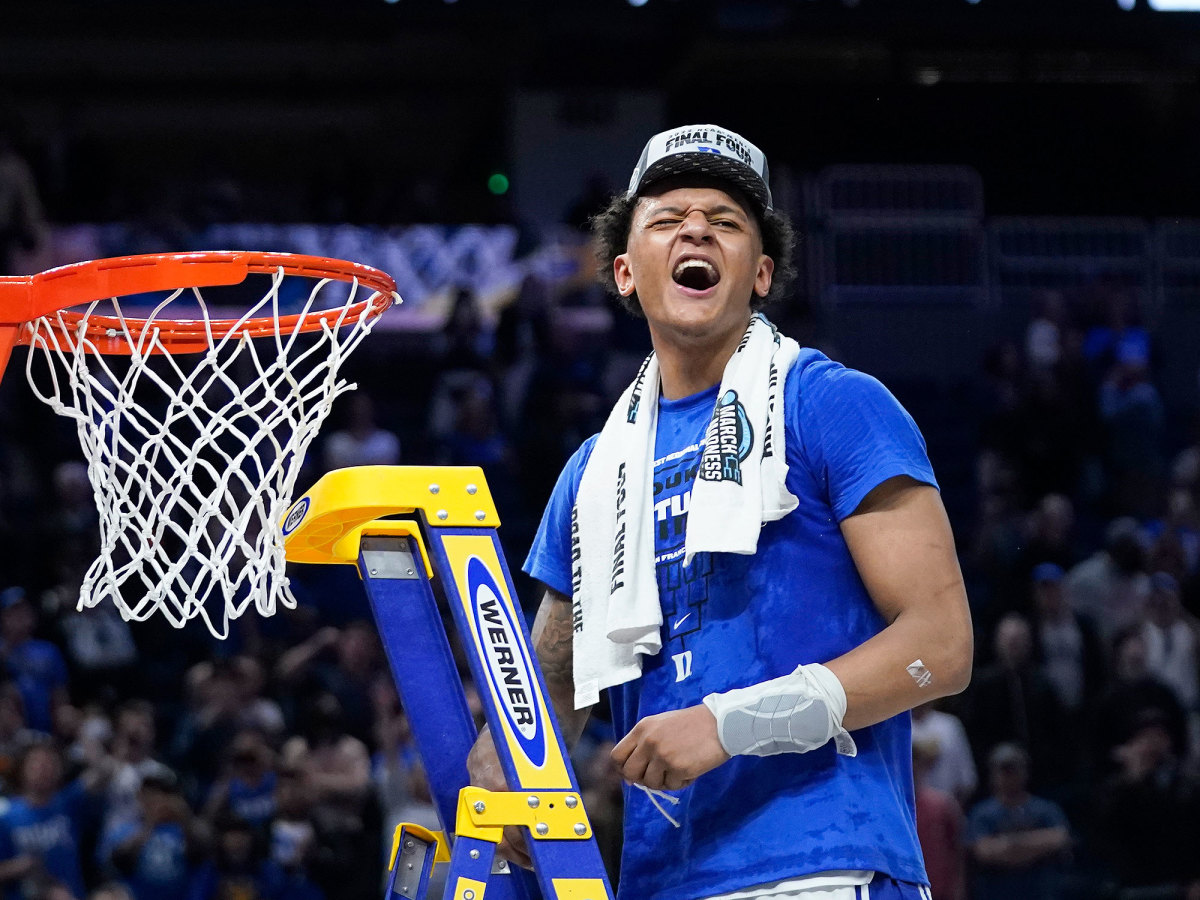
(138, 761)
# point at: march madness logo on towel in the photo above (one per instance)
(727, 441)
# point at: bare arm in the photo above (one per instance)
(295, 662)
(901, 544)
(553, 637)
(17, 867)
(903, 548)
(1021, 848)
(350, 775)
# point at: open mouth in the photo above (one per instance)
(696, 274)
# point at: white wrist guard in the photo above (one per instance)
(791, 714)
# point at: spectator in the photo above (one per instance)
(1115, 331)
(1071, 654)
(338, 769)
(293, 836)
(1017, 841)
(939, 828)
(468, 342)
(246, 789)
(35, 665)
(1043, 335)
(15, 736)
(1148, 814)
(1111, 586)
(1051, 426)
(1181, 524)
(1134, 419)
(348, 673)
(1051, 533)
(237, 868)
(522, 339)
(133, 759)
(256, 711)
(100, 650)
(210, 724)
(22, 223)
(73, 514)
(361, 442)
(395, 766)
(951, 768)
(1171, 642)
(1134, 692)
(1004, 375)
(41, 830)
(154, 856)
(475, 437)
(337, 763)
(1012, 701)
(996, 554)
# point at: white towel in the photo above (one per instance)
(740, 485)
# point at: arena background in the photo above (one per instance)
(1000, 218)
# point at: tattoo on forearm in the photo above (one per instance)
(553, 633)
(552, 641)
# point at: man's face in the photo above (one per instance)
(18, 622)
(42, 771)
(695, 260)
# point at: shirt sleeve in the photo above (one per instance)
(980, 824)
(8, 849)
(56, 668)
(72, 798)
(1050, 815)
(853, 433)
(549, 559)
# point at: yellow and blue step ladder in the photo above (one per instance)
(417, 532)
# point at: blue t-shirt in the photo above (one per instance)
(1038, 881)
(161, 870)
(38, 669)
(50, 833)
(733, 620)
(253, 803)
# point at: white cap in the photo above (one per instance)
(705, 150)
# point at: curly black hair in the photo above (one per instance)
(610, 238)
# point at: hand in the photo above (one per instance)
(670, 750)
(1136, 759)
(483, 766)
(326, 637)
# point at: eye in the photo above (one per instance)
(726, 223)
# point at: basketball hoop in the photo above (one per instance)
(194, 424)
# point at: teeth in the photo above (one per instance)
(709, 270)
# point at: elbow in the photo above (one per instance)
(959, 663)
(958, 641)
(954, 661)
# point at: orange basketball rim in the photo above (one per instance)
(26, 298)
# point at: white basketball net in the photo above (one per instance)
(193, 458)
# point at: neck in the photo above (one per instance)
(689, 365)
(38, 798)
(1012, 798)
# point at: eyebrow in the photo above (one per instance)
(721, 209)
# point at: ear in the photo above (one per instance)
(623, 275)
(762, 278)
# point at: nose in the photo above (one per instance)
(696, 226)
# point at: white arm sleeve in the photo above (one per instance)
(791, 714)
